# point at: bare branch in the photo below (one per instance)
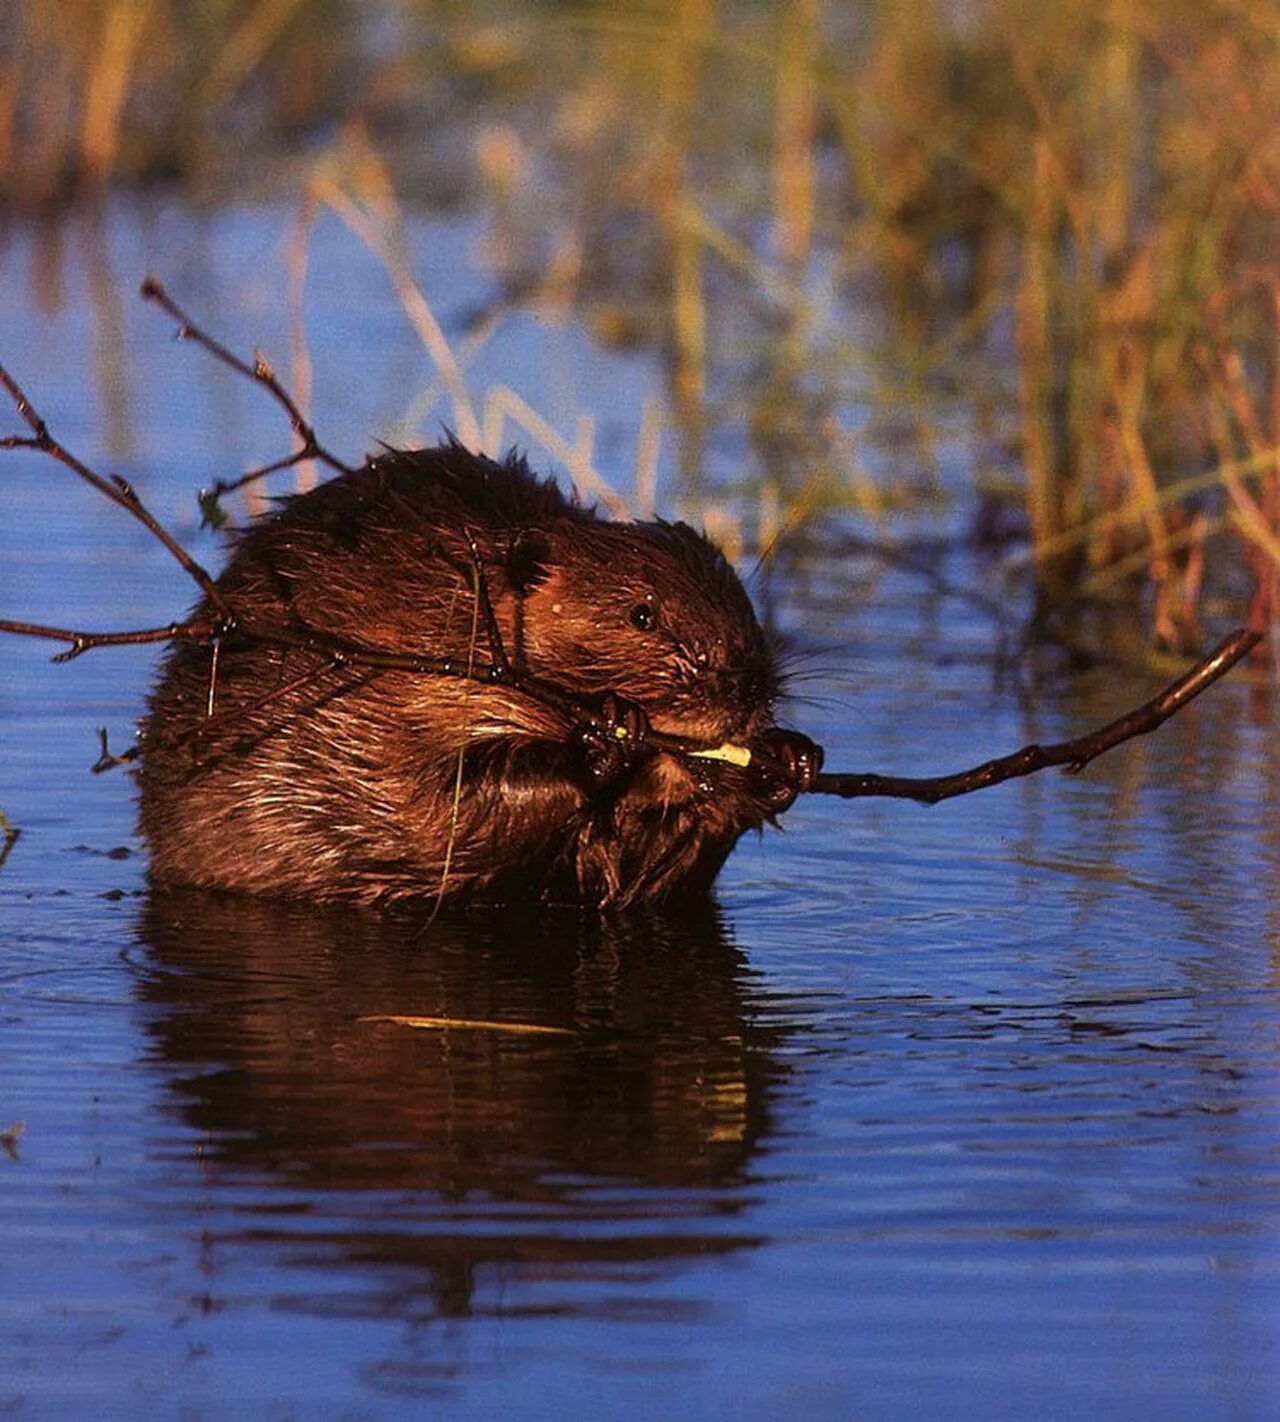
(118, 490)
(9, 833)
(80, 641)
(209, 497)
(337, 652)
(106, 760)
(1074, 755)
(261, 373)
(328, 647)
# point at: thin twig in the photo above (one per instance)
(1074, 755)
(199, 631)
(118, 490)
(218, 489)
(329, 648)
(107, 760)
(341, 652)
(9, 834)
(261, 373)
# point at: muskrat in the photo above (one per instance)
(278, 766)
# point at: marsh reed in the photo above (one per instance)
(836, 221)
(94, 92)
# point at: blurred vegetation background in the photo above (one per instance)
(1053, 226)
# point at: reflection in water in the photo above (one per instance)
(494, 1142)
(111, 357)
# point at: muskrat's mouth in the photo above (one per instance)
(703, 713)
(709, 732)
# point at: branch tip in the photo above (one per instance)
(1072, 756)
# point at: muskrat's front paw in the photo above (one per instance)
(786, 763)
(799, 758)
(610, 740)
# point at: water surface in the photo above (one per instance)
(959, 1112)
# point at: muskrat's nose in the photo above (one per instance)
(752, 685)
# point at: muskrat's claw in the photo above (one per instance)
(610, 740)
(786, 763)
(799, 757)
(626, 721)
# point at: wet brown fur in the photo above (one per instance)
(352, 782)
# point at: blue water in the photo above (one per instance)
(952, 1113)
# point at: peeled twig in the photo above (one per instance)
(1074, 755)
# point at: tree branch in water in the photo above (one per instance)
(1074, 755)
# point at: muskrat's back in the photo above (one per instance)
(340, 779)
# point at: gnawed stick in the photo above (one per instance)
(1074, 755)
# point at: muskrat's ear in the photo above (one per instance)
(528, 560)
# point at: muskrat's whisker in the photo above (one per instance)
(845, 705)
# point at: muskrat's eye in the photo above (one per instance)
(644, 616)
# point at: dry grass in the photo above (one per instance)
(96, 90)
(1086, 194)
(1065, 218)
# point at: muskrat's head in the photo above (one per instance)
(653, 612)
